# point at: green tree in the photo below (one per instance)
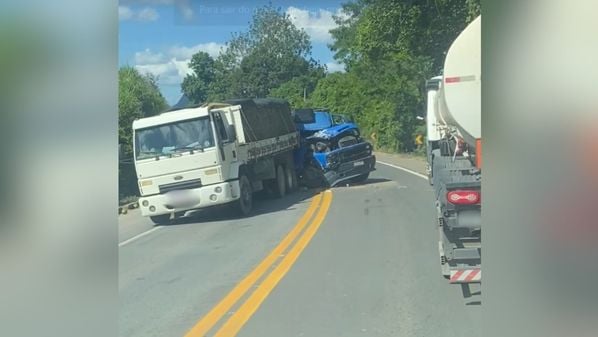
(294, 91)
(138, 96)
(299, 89)
(351, 94)
(270, 53)
(390, 47)
(377, 28)
(196, 86)
(341, 93)
(474, 9)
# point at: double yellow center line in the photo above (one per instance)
(300, 238)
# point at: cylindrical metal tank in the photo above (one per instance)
(459, 98)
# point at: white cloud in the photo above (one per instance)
(145, 15)
(148, 14)
(316, 24)
(124, 13)
(334, 67)
(148, 57)
(182, 68)
(182, 52)
(159, 69)
(183, 6)
(172, 66)
(170, 72)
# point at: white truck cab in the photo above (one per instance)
(181, 160)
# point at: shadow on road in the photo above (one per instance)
(262, 204)
(474, 303)
(468, 294)
(370, 181)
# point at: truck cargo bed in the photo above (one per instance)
(270, 146)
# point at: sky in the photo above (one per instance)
(160, 36)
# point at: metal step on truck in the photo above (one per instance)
(454, 152)
(214, 154)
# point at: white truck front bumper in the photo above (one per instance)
(184, 200)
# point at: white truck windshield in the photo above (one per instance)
(167, 139)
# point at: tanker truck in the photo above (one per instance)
(454, 154)
(213, 154)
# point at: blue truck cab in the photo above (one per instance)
(337, 148)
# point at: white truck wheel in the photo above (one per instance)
(291, 177)
(280, 182)
(245, 203)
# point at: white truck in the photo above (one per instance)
(214, 154)
(454, 147)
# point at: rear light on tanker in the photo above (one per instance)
(463, 197)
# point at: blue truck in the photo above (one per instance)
(331, 147)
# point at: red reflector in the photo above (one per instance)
(478, 153)
(463, 197)
(452, 79)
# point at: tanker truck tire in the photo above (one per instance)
(245, 203)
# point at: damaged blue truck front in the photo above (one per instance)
(337, 148)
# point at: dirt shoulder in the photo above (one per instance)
(411, 162)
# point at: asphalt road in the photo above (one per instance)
(353, 261)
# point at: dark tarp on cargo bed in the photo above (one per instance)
(304, 116)
(264, 118)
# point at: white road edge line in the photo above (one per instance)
(403, 169)
(127, 241)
